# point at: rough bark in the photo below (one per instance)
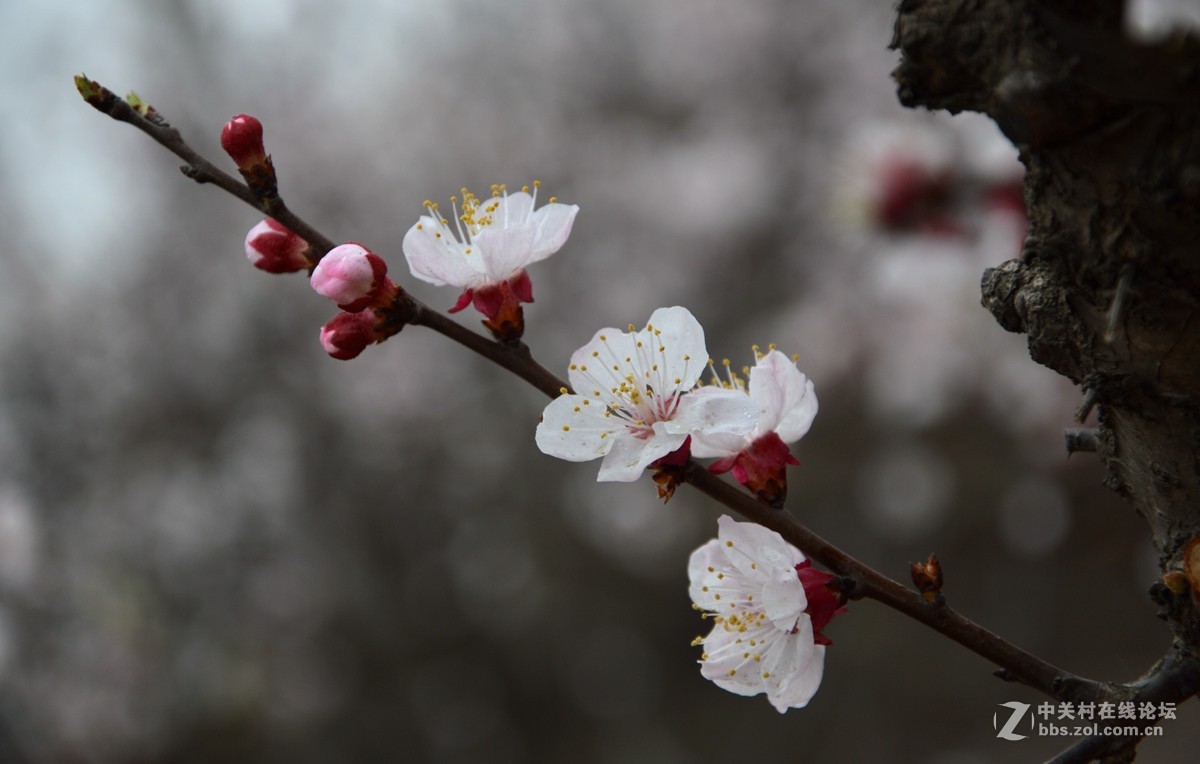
(1108, 284)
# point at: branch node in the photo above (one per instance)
(193, 172)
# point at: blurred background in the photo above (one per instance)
(218, 544)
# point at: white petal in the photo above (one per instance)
(630, 455)
(436, 260)
(785, 395)
(715, 584)
(591, 371)
(576, 431)
(512, 210)
(720, 421)
(504, 250)
(796, 665)
(796, 421)
(703, 566)
(553, 225)
(784, 600)
(678, 348)
(751, 547)
(729, 660)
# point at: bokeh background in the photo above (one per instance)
(218, 544)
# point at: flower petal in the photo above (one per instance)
(729, 658)
(511, 210)
(504, 250)
(678, 348)
(438, 260)
(574, 428)
(750, 546)
(785, 395)
(629, 455)
(795, 666)
(784, 600)
(720, 421)
(552, 225)
(704, 566)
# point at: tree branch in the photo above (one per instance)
(858, 579)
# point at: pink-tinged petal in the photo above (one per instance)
(552, 225)
(348, 274)
(721, 466)
(521, 286)
(785, 395)
(630, 455)
(504, 250)
(719, 420)
(678, 346)
(574, 428)
(464, 299)
(273, 248)
(440, 261)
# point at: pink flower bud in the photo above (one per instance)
(242, 139)
(347, 334)
(350, 275)
(273, 248)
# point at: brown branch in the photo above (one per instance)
(1176, 678)
(197, 168)
(858, 580)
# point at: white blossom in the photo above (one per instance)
(629, 405)
(762, 640)
(489, 241)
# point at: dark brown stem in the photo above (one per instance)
(859, 580)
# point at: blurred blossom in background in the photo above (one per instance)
(218, 544)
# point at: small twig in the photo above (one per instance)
(1116, 311)
(197, 168)
(1085, 439)
(1089, 402)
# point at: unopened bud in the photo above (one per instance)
(275, 249)
(1176, 581)
(1191, 566)
(927, 576)
(242, 139)
(350, 275)
(348, 334)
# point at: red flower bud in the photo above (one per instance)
(348, 334)
(242, 139)
(273, 248)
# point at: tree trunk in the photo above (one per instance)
(1108, 284)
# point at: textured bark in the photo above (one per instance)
(1108, 284)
